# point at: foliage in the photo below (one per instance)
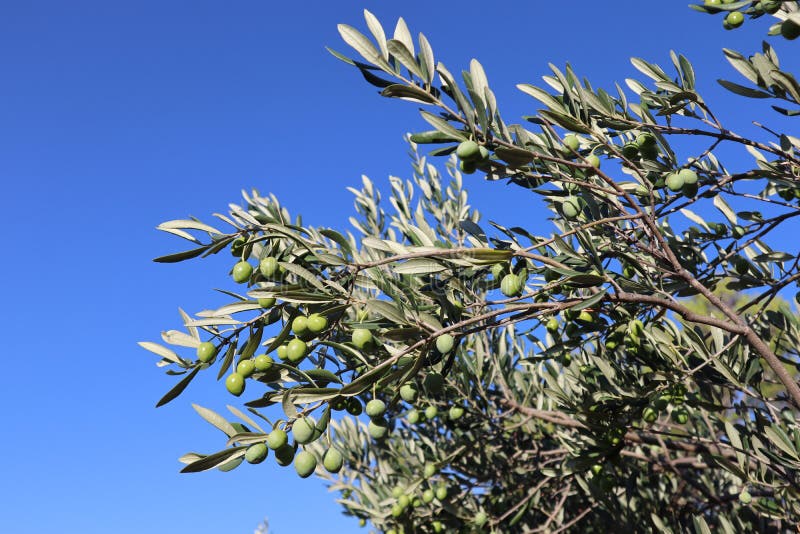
(599, 375)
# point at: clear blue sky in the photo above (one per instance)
(115, 116)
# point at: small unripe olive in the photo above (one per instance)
(571, 207)
(268, 266)
(429, 470)
(299, 325)
(305, 463)
(246, 368)
(296, 350)
(206, 351)
(455, 412)
(242, 272)
(378, 428)
(317, 323)
(408, 392)
(277, 439)
(263, 362)
(333, 460)
(572, 142)
(376, 408)
(282, 352)
(256, 453)
(303, 429)
(284, 455)
(468, 150)
(444, 343)
(266, 302)
(511, 285)
(235, 384)
(361, 337)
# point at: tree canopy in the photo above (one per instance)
(635, 364)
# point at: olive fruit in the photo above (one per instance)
(299, 325)
(585, 317)
(361, 337)
(572, 142)
(263, 362)
(277, 439)
(468, 150)
(266, 302)
(206, 351)
(376, 408)
(268, 267)
(284, 455)
(645, 139)
(455, 412)
(741, 265)
(354, 407)
(734, 19)
(630, 150)
(674, 182)
(296, 350)
(408, 392)
(552, 325)
(256, 453)
(467, 167)
(441, 492)
(688, 176)
(745, 497)
(413, 417)
(305, 463)
(241, 272)
(317, 323)
(444, 343)
(235, 384)
(283, 352)
(511, 285)
(377, 428)
(648, 145)
(431, 412)
(237, 246)
(680, 416)
(303, 429)
(428, 496)
(429, 470)
(571, 207)
(434, 382)
(333, 460)
(403, 501)
(246, 368)
(593, 160)
(649, 414)
(480, 518)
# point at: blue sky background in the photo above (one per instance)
(116, 116)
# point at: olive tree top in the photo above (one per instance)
(634, 364)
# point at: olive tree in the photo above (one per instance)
(635, 364)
